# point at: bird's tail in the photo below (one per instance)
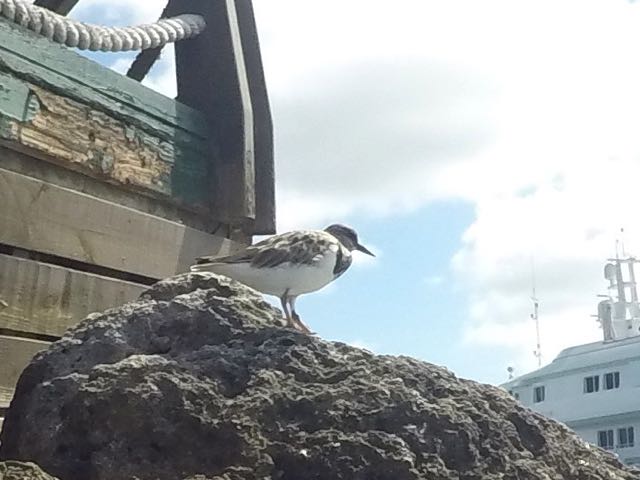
(205, 264)
(203, 267)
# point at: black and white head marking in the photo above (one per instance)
(348, 237)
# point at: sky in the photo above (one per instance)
(479, 148)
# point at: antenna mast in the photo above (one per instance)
(534, 316)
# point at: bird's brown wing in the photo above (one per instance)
(295, 247)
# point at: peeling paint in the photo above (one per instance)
(101, 161)
(8, 128)
(130, 133)
(32, 107)
(14, 97)
(126, 141)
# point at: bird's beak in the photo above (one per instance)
(364, 249)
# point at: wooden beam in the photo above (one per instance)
(143, 62)
(6, 394)
(21, 162)
(16, 353)
(146, 58)
(212, 77)
(63, 7)
(43, 299)
(42, 217)
(265, 221)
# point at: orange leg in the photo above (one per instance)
(296, 318)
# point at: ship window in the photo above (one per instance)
(538, 394)
(611, 380)
(605, 439)
(591, 384)
(625, 437)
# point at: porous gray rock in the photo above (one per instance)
(12, 470)
(199, 379)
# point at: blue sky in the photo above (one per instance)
(467, 142)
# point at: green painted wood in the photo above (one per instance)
(14, 96)
(57, 66)
(17, 104)
(28, 60)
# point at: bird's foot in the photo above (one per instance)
(301, 325)
(289, 323)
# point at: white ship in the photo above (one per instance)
(595, 388)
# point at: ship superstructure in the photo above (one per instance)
(595, 388)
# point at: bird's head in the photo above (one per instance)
(347, 237)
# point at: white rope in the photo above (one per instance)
(85, 36)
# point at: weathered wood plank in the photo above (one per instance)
(14, 97)
(146, 58)
(6, 394)
(219, 88)
(265, 219)
(21, 162)
(38, 216)
(39, 298)
(15, 355)
(77, 136)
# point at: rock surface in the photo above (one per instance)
(200, 380)
(11, 470)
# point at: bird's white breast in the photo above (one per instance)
(297, 279)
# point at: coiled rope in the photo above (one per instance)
(85, 36)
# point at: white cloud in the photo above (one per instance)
(569, 232)
(120, 12)
(384, 112)
(559, 329)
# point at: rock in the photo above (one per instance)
(199, 380)
(11, 470)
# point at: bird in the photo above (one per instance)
(290, 264)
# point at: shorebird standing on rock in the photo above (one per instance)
(290, 264)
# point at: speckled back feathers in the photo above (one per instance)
(304, 247)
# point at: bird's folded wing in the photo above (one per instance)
(274, 251)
